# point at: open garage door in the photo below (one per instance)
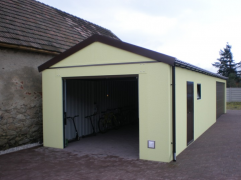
(220, 100)
(100, 97)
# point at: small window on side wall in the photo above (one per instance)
(198, 91)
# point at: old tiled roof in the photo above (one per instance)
(32, 24)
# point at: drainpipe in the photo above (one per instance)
(174, 112)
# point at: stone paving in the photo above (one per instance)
(215, 155)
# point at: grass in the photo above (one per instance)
(234, 105)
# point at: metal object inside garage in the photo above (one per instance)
(85, 97)
(171, 102)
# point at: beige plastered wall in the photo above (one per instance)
(204, 109)
(154, 95)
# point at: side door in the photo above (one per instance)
(190, 112)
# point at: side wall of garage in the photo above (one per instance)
(154, 82)
(204, 108)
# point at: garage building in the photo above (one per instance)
(172, 102)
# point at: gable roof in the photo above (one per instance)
(112, 42)
(127, 47)
(32, 24)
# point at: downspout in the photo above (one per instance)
(174, 112)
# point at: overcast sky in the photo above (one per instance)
(190, 30)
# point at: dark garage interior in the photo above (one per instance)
(113, 125)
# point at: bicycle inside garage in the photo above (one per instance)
(101, 115)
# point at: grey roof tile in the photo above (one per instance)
(34, 24)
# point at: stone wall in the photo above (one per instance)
(20, 97)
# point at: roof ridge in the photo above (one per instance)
(74, 16)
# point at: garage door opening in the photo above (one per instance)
(112, 103)
(220, 99)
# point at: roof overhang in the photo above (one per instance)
(182, 64)
(112, 42)
(159, 57)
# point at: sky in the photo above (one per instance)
(193, 31)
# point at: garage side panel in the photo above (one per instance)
(155, 113)
(204, 108)
(52, 110)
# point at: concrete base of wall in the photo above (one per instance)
(21, 125)
(19, 148)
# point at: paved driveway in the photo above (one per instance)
(215, 155)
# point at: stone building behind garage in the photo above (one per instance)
(31, 33)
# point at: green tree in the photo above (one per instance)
(226, 64)
(232, 82)
(227, 67)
